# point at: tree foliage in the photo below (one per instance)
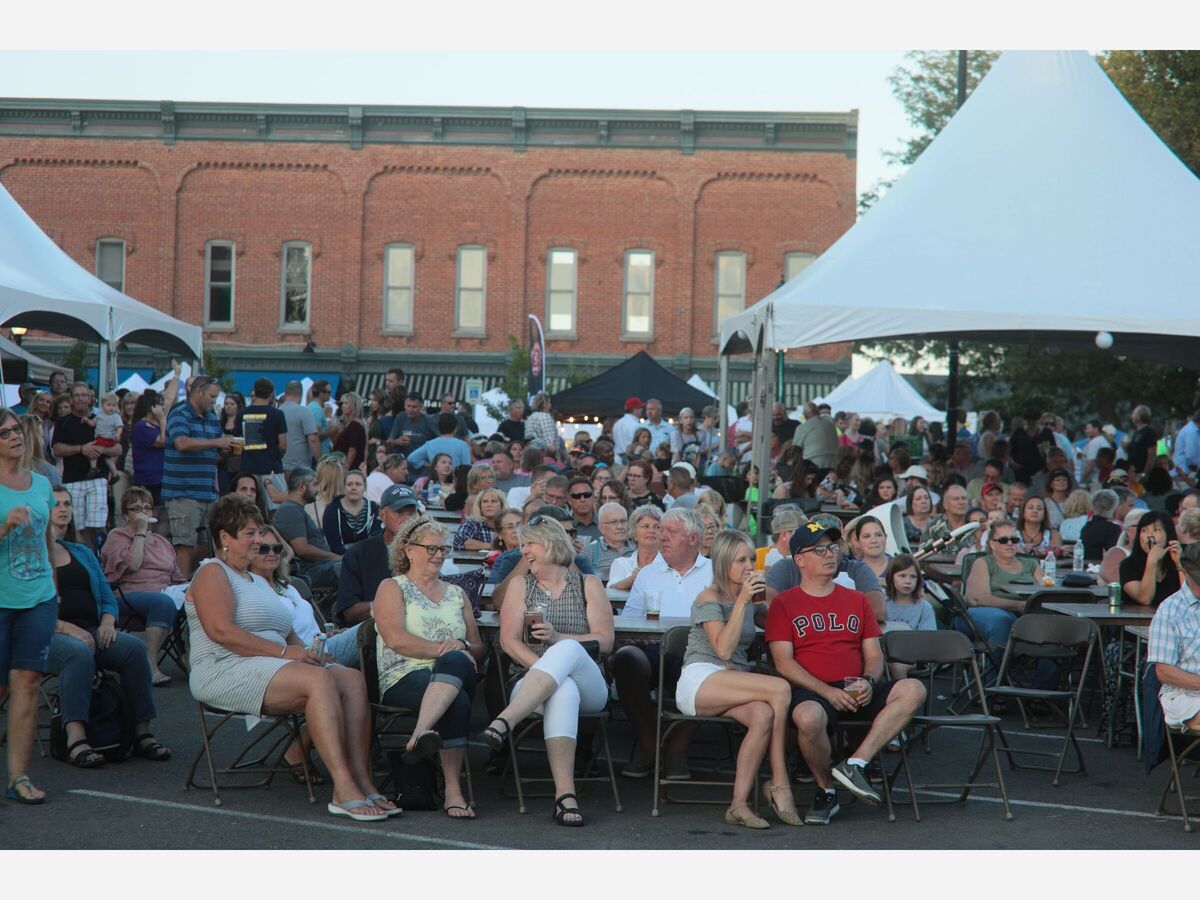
(1164, 87)
(516, 378)
(75, 358)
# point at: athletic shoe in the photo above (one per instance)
(854, 779)
(677, 767)
(824, 808)
(641, 766)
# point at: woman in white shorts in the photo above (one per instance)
(716, 680)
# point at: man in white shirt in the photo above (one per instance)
(1096, 440)
(393, 471)
(661, 431)
(679, 573)
(627, 426)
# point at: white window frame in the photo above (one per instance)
(284, 324)
(626, 334)
(459, 328)
(112, 242)
(390, 327)
(211, 324)
(717, 295)
(808, 258)
(551, 292)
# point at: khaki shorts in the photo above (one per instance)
(185, 517)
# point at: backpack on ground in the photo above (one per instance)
(110, 728)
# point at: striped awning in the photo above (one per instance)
(431, 385)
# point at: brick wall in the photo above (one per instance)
(167, 201)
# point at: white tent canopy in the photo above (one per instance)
(701, 385)
(42, 287)
(1046, 211)
(37, 369)
(881, 393)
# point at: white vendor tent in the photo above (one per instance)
(134, 383)
(881, 393)
(1044, 212)
(37, 369)
(41, 287)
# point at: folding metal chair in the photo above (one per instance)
(391, 726)
(1176, 782)
(174, 647)
(526, 727)
(939, 648)
(1046, 633)
(984, 650)
(674, 643)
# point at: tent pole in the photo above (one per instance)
(723, 400)
(763, 400)
(952, 380)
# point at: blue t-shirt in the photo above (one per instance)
(190, 474)
(322, 422)
(26, 576)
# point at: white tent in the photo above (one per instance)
(37, 369)
(135, 383)
(42, 287)
(184, 374)
(701, 385)
(881, 393)
(1046, 211)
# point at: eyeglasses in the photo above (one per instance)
(435, 549)
(824, 549)
(270, 549)
(8, 433)
(138, 507)
(1007, 540)
(586, 496)
(615, 523)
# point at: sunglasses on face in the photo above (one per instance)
(586, 496)
(1007, 540)
(270, 549)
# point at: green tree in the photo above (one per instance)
(1164, 87)
(516, 378)
(213, 367)
(75, 359)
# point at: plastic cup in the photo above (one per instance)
(653, 604)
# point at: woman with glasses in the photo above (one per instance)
(638, 477)
(613, 492)
(86, 639)
(645, 524)
(143, 564)
(994, 607)
(428, 649)
(351, 517)
(28, 603)
(246, 658)
(556, 674)
(478, 530)
(509, 522)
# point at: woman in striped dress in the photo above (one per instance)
(247, 659)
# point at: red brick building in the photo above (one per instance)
(424, 236)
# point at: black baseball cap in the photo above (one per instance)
(397, 497)
(809, 534)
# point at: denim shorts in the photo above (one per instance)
(25, 636)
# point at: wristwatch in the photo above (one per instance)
(870, 679)
(466, 644)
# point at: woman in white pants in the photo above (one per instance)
(561, 678)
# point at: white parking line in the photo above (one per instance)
(1039, 804)
(1010, 732)
(372, 830)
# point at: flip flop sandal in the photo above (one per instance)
(446, 810)
(84, 759)
(426, 745)
(15, 795)
(348, 808)
(147, 747)
(375, 798)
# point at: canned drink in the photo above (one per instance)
(1114, 594)
(318, 647)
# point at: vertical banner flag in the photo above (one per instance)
(537, 357)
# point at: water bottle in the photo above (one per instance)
(435, 495)
(1049, 568)
(1077, 557)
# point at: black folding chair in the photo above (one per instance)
(534, 722)
(1042, 633)
(1175, 783)
(940, 648)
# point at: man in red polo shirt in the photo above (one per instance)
(821, 634)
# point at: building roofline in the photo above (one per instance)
(516, 127)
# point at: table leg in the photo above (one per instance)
(1137, 692)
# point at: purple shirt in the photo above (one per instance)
(147, 459)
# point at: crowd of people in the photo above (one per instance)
(123, 515)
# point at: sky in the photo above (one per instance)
(774, 80)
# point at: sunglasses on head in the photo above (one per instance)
(268, 549)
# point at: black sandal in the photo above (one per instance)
(493, 737)
(84, 759)
(424, 747)
(561, 811)
(145, 746)
(296, 770)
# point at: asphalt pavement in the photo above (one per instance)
(142, 804)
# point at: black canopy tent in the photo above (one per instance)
(639, 376)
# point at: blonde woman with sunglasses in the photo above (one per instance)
(994, 607)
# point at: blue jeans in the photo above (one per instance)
(453, 668)
(343, 647)
(157, 610)
(75, 665)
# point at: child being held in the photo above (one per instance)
(108, 427)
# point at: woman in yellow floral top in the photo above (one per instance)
(428, 648)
